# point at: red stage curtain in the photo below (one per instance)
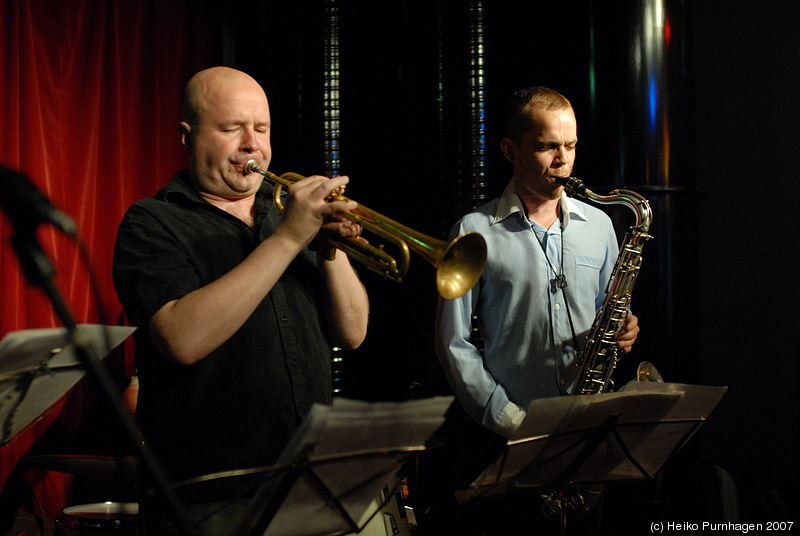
(89, 104)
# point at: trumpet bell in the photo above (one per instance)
(460, 265)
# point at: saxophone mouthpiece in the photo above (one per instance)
(574, 186)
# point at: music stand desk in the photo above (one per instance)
(330, 477)
(39, 366)
(599, 438)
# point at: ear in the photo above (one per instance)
(509, 149)
(184, 130)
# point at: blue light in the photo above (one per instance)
(652, 94)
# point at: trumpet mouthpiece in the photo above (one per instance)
(250, 166)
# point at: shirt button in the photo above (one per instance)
(560, 344)
(284, 319)
(558, 306)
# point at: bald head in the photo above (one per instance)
(210, 85)
(225, 122)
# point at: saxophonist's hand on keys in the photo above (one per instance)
(627, 337)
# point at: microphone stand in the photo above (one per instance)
(39, 272)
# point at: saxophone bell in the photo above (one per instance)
(647, 372)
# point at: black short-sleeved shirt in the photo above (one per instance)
(238, 407)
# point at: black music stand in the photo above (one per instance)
(591, 439)
(39, 366)
(332, 474)
(322, 497)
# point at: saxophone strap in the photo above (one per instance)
(559, 282)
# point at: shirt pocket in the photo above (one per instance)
(586, 261)
(587, 272)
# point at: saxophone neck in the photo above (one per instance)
(638, 204)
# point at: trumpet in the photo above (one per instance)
(459, 263)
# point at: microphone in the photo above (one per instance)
(27, 207)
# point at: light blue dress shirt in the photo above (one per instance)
(529, 351)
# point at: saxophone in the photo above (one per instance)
(600, 355)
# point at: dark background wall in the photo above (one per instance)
(747, 70)
(717, 294)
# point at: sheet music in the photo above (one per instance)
(565, 438)
(353, 451)
(45, 359)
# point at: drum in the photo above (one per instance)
(99, 519)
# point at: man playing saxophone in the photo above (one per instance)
(549, 260)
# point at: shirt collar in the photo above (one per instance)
(510, 203)
(180, 187)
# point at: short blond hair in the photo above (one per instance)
(517, 120)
